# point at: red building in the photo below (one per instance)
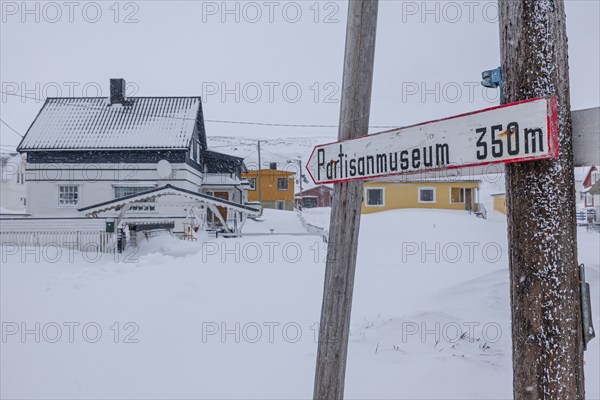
(319, 196)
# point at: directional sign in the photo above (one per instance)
(522, 131)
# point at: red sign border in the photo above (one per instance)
(552, 140)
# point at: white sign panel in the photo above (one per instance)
(527, 130)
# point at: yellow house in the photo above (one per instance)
(500, 202)
(277, 188)
(451, 194)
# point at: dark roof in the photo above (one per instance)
(222, 163)
(94, 123)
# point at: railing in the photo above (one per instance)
(85, 241)
(481, 211)
(593, 227)
(313, 229)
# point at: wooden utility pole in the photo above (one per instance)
(300, 184)
(545, 293)
(345, 213)
(259, 180)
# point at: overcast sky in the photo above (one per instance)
(270, 62)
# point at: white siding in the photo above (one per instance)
(96, 183)
(12, 188)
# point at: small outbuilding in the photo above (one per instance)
(318, 196)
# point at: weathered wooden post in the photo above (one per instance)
(545, 293)
(345, 213)
(259, 179)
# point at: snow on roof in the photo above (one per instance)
(93, 123)
(580, 173)
(165, 191)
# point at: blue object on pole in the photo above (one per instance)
(492, 78)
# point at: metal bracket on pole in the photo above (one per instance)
(586, 309)
(492, 79)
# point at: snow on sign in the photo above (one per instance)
(522, 131)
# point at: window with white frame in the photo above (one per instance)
(68, 195)
(123, 191)
(282, 183)
(251, 183)
(457, 195)
(426, 195)
(375, 197)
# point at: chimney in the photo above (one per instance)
(117, 91)
(273, 165)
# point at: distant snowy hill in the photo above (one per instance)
(280, 150)
(285, 151)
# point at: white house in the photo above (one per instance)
(96, 156)
(12, 184)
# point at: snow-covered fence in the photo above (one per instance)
(310, 228)
(81, 234)
(85, 241)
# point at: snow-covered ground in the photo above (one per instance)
(237, 318)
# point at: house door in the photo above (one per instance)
(222, 210)
(469, 199)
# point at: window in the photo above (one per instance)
(457, 195)
(375, 197)
(252, 183)
(282, 183)
(426, 195)
(68, 195)
(123, 191)
(280, 204)
(589, 200)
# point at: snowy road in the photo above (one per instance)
(238, 318)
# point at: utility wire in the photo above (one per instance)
(219, 121)
(255, 151)
(287, 158)
(10, 127)
(232, 145)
